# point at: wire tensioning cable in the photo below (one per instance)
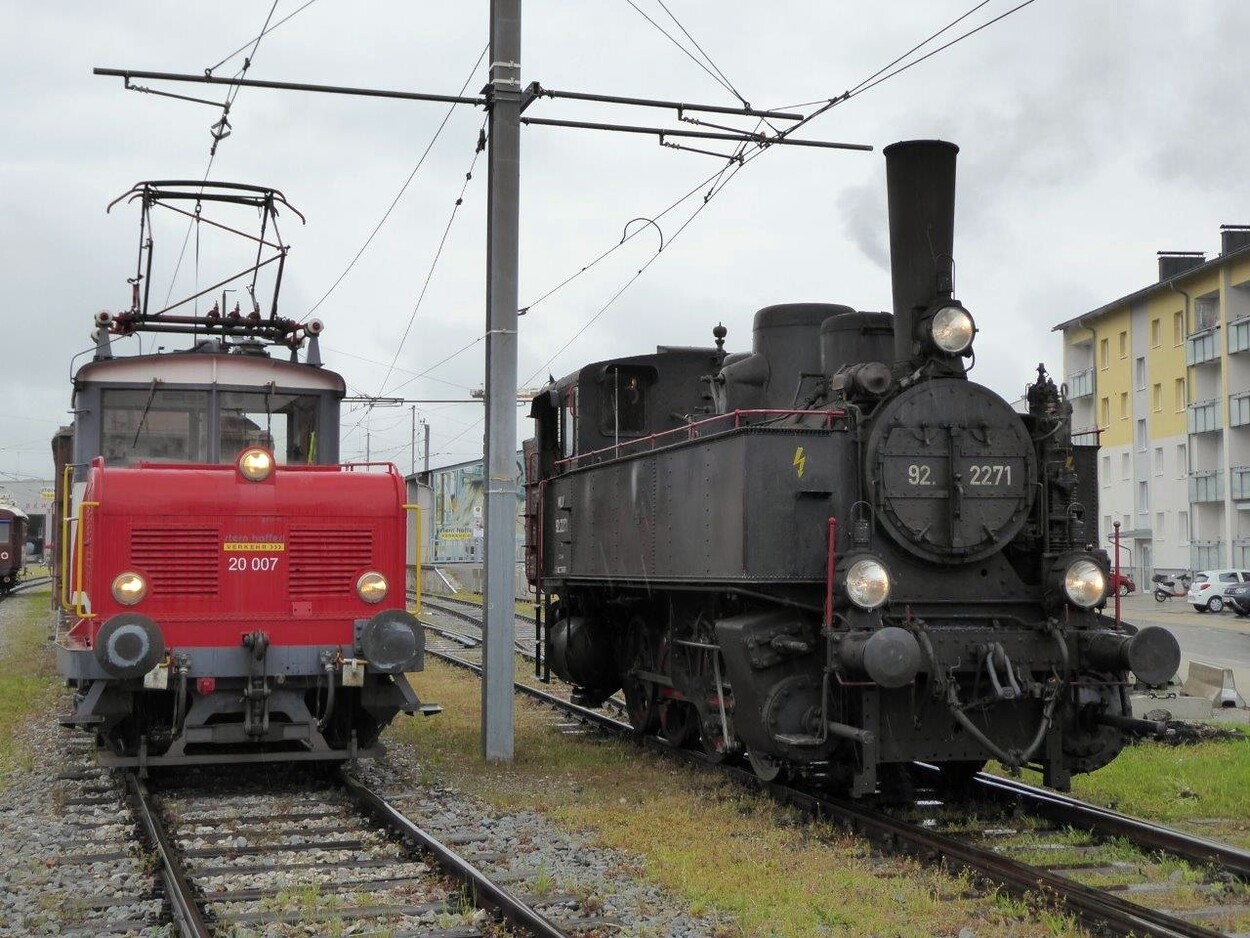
(724, 83)
(256, 39)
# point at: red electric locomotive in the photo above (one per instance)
(230, 592)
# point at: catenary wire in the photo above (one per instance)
(402, 189)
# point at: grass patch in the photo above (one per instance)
(27, 682)
(705, 839)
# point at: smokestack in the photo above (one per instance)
(920, 181)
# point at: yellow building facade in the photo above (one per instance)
(1160, 379)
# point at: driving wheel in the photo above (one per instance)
(679, 722)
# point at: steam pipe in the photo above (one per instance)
(920, 180)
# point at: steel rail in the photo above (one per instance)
(182, 903)
(1066, 810)
(486, 892)
(1096, 908)
(29, 584)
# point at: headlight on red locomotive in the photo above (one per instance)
(129, 588)
(256, 464)
(371, 587)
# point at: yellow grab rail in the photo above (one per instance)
(416, 548)
(79, 609)
(67, 484)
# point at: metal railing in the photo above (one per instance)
(1239, 335)
(1239, 409)
(1080, 383)
(1204, 416)
(1204, 555)
(1201, 347)
(1206, 485)
(1239, 482)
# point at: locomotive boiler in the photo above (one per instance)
(229, 590)
(835, 553)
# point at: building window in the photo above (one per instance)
(1178, 328)
(1206, 312)
(1159, 533)
(1182, 527)
(1143, 498)
(1104, 353)
(1181, 397)
(1126, 523)
(1126, 467)
(1143, 437)
(1106, 525)
(1182, 460)
(1104, 412)
(1106, 471)
(1156, 333)
(1124, 405)
(1158, 397)
(1158, 460)
(1124, 345)
(1141, 374)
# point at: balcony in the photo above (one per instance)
(1204, 416)
(1080, 384)
(1204, 555)
(1239, 409)
(1201, 347)
(1239, 482)
(1206, 485)
(1239, 335)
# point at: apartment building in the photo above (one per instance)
(1161, 379)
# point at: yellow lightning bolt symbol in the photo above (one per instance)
(800, 462)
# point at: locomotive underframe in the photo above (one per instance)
(735, 672)
(279, 713)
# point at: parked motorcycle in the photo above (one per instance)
(1166, 589)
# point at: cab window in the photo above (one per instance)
(623, 408)
(161, 425)
(568, 423)
(283, 423)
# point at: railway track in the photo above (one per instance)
(325, 855)
(1208, 899)
(27, 585)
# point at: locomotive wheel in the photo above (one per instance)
(679, 722)
(642, 698)
(766, 767)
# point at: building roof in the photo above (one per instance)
(1158, 285)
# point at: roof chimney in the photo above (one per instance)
(1234, 238)
(1174, 263)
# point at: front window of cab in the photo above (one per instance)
(176, 425)
(284, 424)
(160, 425)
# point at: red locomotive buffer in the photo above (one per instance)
(228, 590)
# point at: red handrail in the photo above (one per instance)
(692, 429)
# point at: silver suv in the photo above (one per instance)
(1206, 592)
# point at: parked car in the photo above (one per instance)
(1122, 583)
(1208, 590)
(1238, 598)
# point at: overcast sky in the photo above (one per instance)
(1091, 134)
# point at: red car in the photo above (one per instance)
(1123, 584)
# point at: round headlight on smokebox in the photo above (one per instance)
(371, 587)
(129, 588)
(256, 464)
(868, 583)
(129, 645)
(952, 329)
(1084, 583)
(392, 642)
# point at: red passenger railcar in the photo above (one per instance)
(230, 592)
(13, 523)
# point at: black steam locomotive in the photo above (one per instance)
(835, 553)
